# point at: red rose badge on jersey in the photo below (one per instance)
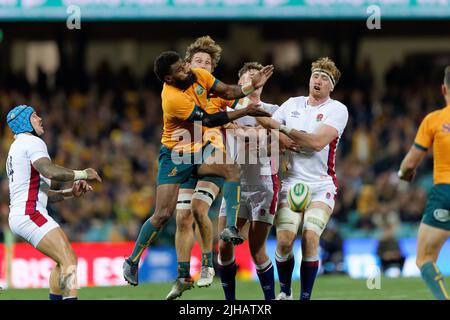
(319, 117)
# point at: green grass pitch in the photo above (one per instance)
(326, 288)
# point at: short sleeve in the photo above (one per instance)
(271, 108)
(280, 114)
(338, 119)
(179, 105)
(37, 149)
(205, 79)
(424, 136)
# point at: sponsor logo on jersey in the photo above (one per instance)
(295, 114)
(319, 117)
(328, 195)
(262, 212)
(441, 215)
(446, 127)
(199, 90)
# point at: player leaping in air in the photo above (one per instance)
(434, 230)
(184, 99)
(198, 194)
(30, 172)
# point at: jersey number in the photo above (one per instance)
(9, 169)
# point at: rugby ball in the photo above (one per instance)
(299, 197)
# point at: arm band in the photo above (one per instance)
(67, 191)
(209, 120)
(79, 175)
(215, 119)
(285, 129)
(247, 88)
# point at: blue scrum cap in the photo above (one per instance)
(19, 119)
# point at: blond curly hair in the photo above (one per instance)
(204, 44)
(326, 64)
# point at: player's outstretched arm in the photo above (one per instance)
(220, 118)
(231, 92)
(410, 163)
(54, 172)
(78, 189)
(268, 123)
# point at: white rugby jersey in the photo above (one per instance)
(250, 173)
(27, 188)
(313, 167)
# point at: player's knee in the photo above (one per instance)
(199, 209)
(161, 216)
(284, 245)
(311, 242)
(69, 260)
(424, 256)
(259, 256)
(185, 219)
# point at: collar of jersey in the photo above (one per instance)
(320, 105)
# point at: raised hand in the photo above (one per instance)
(92, 175)
(261, 77)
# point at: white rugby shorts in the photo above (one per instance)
(258, 202)
(31, 227)
(325, 193)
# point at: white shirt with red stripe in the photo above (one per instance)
(309, 166)
(27, 188)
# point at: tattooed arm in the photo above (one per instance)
(52, 171)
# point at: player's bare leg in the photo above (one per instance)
(166, 201)
(55, 291)
(184, 236)
(429, 243)
(312, 229)
(227, 263)
(184, 242)
(287, 225)
(231, 192)
(201, 202)
(205, 229)
(257, 237)
(56, 245)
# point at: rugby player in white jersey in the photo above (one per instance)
(315, 123)
(259, 191)
(30, 172)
